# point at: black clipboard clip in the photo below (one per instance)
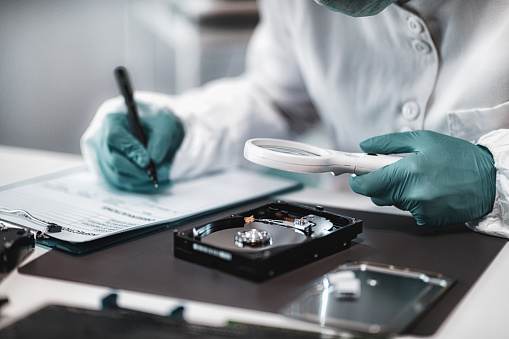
(50, 226)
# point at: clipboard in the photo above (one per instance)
(65, 201)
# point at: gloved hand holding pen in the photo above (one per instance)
(444, 181)
(121, 157)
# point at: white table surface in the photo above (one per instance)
(481, 314)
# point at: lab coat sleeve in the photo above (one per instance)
(497, 221)
(269, 100)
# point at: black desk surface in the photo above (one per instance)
(148, 265)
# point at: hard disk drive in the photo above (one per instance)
(267, 241)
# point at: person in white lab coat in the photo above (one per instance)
(425, 77)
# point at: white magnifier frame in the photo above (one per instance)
(295, 156)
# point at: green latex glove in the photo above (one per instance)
(123, 159)
(444, 181)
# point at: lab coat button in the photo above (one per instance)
(421, 47)
(414, 25)
(410, 110)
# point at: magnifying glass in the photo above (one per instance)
(294, 156)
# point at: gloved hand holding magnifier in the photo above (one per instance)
(299, 157)
(441, 180)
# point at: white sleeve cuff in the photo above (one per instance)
(497, 221)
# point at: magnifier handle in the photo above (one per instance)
(367, 163)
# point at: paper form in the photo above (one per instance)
(88, 209)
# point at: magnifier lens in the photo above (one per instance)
(287, 155)
(289, 150)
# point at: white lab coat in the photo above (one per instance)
(441, 65)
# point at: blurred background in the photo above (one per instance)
(57, 58)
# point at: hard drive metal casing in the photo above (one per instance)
(268, 261)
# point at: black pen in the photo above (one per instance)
(126, 89)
